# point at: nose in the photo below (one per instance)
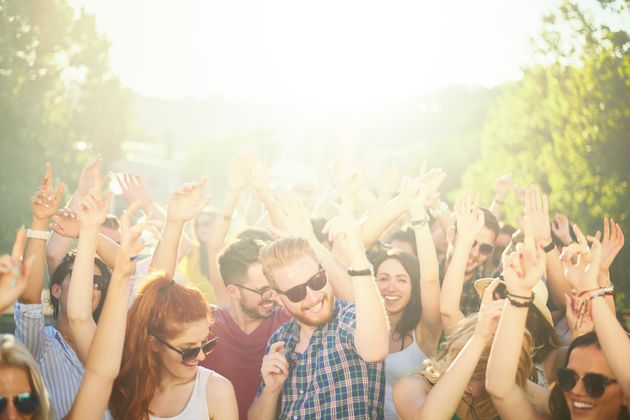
(201, 356)
(311, 295)
(10, 412)
(579, 389)
(474, 252)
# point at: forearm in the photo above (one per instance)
(221, 223)
(604, 280)
(216, 279)
(372, 330)
(58, 246)
(453, 284)
(442, 401)
(80, 288)
(165, 254)
(380, 218)
(265, 406)
(37, 248)
(614, 342)
(107, 249)
(270, 204)
(505, 352)
(429, 284)
(339, 280)
(556, 282)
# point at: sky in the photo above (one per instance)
(324, 52)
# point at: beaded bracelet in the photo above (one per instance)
(518, 304)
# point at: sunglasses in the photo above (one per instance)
(266, 293)
(484, 249)
(25, 403)
(188, 355)
(594, 383)
(297, 293)
(100, 282)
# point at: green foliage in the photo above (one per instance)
(56, 91)
(565, 125)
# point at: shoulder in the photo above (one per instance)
(217, 386)
(220, 396)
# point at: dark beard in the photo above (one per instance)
(253, 313)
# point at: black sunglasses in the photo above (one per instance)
(297, 293)
(266, 293)
(484, 249)
(594, 383)
(25, 403)
(188, 355)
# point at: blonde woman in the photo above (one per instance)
(22, 391)
(451, 386)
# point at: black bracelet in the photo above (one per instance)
(521, 297)
(519, 304)
(549, 247)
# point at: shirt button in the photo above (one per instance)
(295, 417)
(301, 391)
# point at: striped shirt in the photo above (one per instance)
(61, 369)
(329, 380)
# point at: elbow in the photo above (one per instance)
(77, 318)
(374, 355)
(494, 389)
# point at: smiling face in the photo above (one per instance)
(192, 335)
(60, 291)
(317, 306)
(252, 303)
(394, 285)
(590, 359)
(475, 257)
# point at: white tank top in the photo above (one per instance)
(197, 407)
(397, 365)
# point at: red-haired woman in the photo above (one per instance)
(166, 338)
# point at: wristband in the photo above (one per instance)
(518, 304)
(549, 247)
(38, 234)
(521, 297)
(420, 222)
(359, 273)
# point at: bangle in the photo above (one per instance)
(607, 291)
(420, 222)
(38, 234)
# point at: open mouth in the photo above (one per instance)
(267, 305)
(316, 308)
(390, 298)
(582, 405)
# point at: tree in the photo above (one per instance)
(565, 125)
(59, 100)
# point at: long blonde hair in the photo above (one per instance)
(14, 354)
(436, 366)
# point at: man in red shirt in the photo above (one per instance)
(246, 323)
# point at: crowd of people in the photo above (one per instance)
(363, 302)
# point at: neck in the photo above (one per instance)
(394, 320)
(168, 381)
(63, 327)
(246, 323)
(306, 332)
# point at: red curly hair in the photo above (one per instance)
(161, 307)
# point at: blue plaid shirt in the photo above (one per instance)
(329, 380)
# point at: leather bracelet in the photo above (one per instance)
(549, 247)
(518, 304)
(521, 297)
(360, 273)
(420, 222)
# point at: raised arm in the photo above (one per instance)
(522, 269)
(58, 246)
(371, 336)
(503, 185)
(612, 243)
(470, 221)
(44, 204)
(92, 213)
(185, 204)
(442, 400)
(429, 328)
(583, 276)
(14, 273)
(105, 355)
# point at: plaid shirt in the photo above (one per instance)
(470, 301)
(329, 380)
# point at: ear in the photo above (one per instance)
(450, 235)
(233, 292)
(154, 344)
(55, 290)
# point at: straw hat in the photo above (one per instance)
(540, 296)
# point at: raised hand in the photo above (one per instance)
(188, 201)
(14, 273)
(612, 242)
(470, 218)
(130, 243)
(582, 274)
(90, 173)
(537, 215)
(353, 180)
(388, 181)
(93, 208)
(66, 223)
(237, 173)
(258, 173)
(45, 201)
(133, 189)
(503, 185)
(489, 313)
(560, 228)
(579, 319)
(431, 181)
(275, 368)
(295, 220)
(345, 234)
(520, 192)
(523, 268)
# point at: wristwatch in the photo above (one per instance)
(358, 273)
